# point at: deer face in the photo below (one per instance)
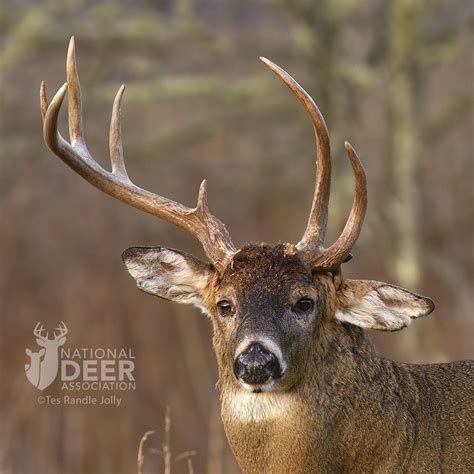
(265, 309)
(268, 308)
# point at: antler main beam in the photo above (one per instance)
(317, 223)
(209, 230)
(310, 247)
(198, 221)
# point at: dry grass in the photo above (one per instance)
(165, 454)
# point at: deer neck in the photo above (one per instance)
(309, 427)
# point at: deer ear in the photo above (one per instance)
(168, 273)
(376, 305)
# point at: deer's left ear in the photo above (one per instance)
(168, 273)
(376, 305)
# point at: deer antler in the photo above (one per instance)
(62, 328)
(310, 247)
(209, 230)
(38, 331)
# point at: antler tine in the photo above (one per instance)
(115, 138)
(38, 331)
(62, 328)
(310, 247)
(315, 232)
(43, 99)
(209, 230)
(38, 328)
(76, 130)
(338, 252)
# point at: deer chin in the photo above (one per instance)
(250, 406)
(262, 388)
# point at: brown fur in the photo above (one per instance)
(340, 406)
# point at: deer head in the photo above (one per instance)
(43, 366)
(268, 304)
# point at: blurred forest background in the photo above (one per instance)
(393, 77)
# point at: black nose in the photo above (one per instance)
(256, 365)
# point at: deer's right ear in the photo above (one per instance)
(168, 273)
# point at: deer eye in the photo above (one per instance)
(303, 305)
(224, 308)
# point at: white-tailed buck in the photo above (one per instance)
(302, 387)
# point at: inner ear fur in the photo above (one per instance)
(169, 273)
(377, 305)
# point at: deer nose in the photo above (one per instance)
(256, 365)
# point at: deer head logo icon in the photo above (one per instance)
(43, 366)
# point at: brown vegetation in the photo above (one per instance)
(199, 105)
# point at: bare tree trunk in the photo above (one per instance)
(406, 150)
(405, 104)
(184, 10)
(328, 87)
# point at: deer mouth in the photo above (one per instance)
(262, 388)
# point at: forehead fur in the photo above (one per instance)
(275, 265)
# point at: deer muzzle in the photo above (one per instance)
(257, 365)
